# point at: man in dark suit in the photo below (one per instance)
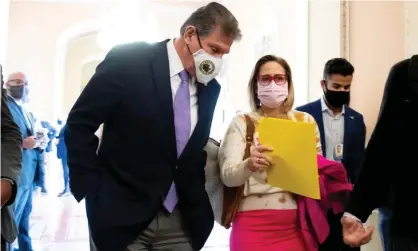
(387, 177)
(343, 133)
(145, 186)
(11, 166)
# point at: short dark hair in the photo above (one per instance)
(252, 85)
(208, 17)
(339, 66)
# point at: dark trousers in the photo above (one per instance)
(404, 244)
(65, 173)
(335, 242)
(39, 180)
(41, 183)
(22, 211)
(384, 219)
(4, 245)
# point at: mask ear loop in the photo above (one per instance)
(325, 89)
(198, 39)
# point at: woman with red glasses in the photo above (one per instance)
(265, 217)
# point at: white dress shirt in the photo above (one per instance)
(333, 129)
(176, 66)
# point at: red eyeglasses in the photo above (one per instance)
(279, 79)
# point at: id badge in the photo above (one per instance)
(338, 152)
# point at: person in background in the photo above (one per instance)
(388, 172)
(343, 133)
(52, 133)
(62, 155)
(11, 167)
(148, 187)
(46, 134)
(267, 216)
(42, 141)
(16, 87)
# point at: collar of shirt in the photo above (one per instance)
(174, 61)
(18, 102)
(325, 108)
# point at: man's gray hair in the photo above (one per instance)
(208, 17)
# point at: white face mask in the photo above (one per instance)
(207, 66)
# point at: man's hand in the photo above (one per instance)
(354, 233)
(29, 142)
(6, 191)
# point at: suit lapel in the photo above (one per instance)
(349, 121)
(317, 114)
(31, 121)
(161, 74)
(207, 98)
(19, 109)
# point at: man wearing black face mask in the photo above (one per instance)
(16, 87)
(343, 133)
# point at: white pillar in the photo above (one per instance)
(411, 28)
(4, 29)
(300, 65)
(324, 40)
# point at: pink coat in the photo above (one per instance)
(335, 190)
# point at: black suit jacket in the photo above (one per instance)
(388, 173)
(136, 163)
(354, 136)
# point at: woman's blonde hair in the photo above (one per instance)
(252, 85)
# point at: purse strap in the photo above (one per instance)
(233, 195)
(249, 138)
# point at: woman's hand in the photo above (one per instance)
(259, 161)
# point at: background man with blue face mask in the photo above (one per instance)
(145, 185)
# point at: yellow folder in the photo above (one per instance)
(295, 163)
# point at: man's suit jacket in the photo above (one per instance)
(125, 182)
(11, 166)
(61, 146)
(354, 136)
(388, 172)
(29, 157)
